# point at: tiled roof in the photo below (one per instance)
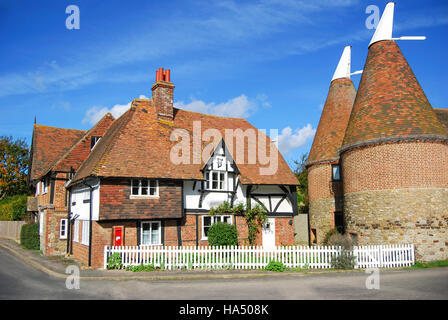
(139, 145)
(49, 144)
(333, 121)
(79, 152)
(442, 115)
(390, 104)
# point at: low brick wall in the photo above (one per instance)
(418, 216)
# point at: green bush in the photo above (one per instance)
(141, 268)
(222, 234)
(29, 236)
(346, 260)
(275, 266)
(114, 261)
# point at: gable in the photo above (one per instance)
(48, 145)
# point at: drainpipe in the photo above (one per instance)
(69, 221)
(90, 220)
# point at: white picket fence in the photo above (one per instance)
(315, 257)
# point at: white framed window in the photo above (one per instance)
(151, 233)
(215, 180)
(208, 221)
(44, 186)
(85, 233)
(144, 188)
(76, 231)
(63, 229)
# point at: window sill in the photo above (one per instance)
(143, 197)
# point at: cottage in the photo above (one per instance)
(129, 181)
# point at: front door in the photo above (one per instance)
(269, 234)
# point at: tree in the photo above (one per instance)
(302, 175)
(14, 162)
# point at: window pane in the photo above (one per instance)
(226, 219)
(144, 187)
(336, 173)
(146, 233)
(145, 238)
(207, 221)
(155, 233)
(153, 183)
(206, 231)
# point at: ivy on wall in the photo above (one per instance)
(255, 217)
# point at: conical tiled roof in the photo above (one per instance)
(390, 104)
(333, 121)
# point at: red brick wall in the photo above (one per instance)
(188, 231)
(162, 98)
(102, 235)
(320, 184)
(395, 166)
(116, 204)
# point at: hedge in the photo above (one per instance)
(222, 234)
(29, 236)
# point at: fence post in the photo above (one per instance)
(105, 257)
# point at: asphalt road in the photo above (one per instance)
(20, 281)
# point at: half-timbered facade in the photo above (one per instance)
(140, 181)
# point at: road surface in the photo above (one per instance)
(21, 281)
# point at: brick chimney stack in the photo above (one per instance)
(162, 95)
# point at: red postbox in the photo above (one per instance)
(118, 236)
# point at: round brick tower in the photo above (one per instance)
(394, 158)
(324, 187)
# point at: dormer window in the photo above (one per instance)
(93, 141)
(215, 180)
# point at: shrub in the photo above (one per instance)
(114, 261)
(346, 260)
(29, 236)
(222, 234)
(275, 266)
(334, 238)
(141, 268)
(18, 207)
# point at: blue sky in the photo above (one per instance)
(269, 61)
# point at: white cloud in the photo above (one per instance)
(238, 107)
(94, 114)
(289, 140)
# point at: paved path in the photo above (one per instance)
(20, 281)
